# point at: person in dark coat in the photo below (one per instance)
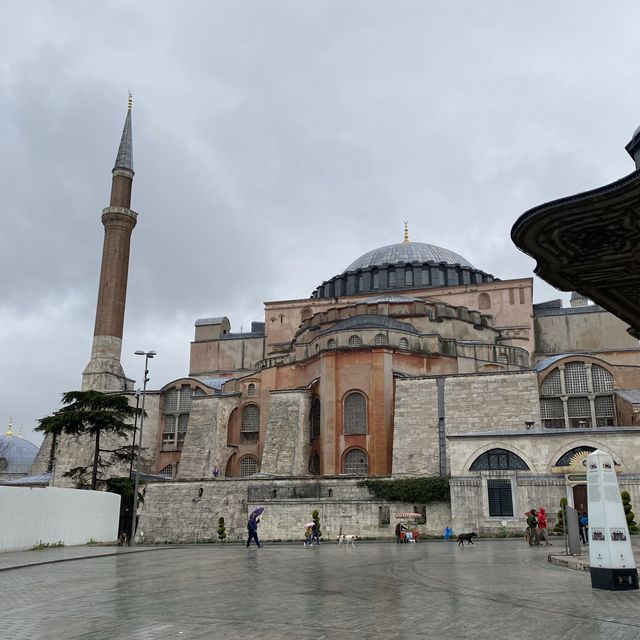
(314, 535)
(252, 528)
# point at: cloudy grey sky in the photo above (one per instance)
(274, 142)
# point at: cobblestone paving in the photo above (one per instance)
(497, 589)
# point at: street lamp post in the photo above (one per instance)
(147, 355)
(135, 430)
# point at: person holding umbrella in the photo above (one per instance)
(252, 527)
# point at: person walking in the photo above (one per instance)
(314, 535)
(532, 523)
(543, 532)
(583, 522)
(252, 528)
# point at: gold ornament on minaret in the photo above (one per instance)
(406, 232)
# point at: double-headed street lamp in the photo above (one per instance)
(147, 355)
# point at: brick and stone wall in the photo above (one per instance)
(287, 449)
(179, 512)
(415, 435)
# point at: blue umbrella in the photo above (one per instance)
(256, 512)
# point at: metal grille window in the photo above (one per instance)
(376, 280)
(408, 277)
(503, 358)
(356, 463)
(575, 378)
(437, 277)
(605, 407)
(404, 343)
(251, 390)
(565, 459)
(551, 385)
(250, 425)
(452, 276)
(183, 422)
(521, 360)
(579, 411)
(552, 413)
(248, 466)
(331, 343)
(499, 460)
(551, 408)
(314, 418)
(185, 398)
(171, 400)
(380, 339)
(169, 431)
(602, 379)
(500, 498)
(425, 276)
(167, 472)
(355, 341)
(355, 414)
(392, 278)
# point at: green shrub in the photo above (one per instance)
(628, 513)
(559, 527)
(221, 530)
(415, 490)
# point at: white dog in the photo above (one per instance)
(347, 539)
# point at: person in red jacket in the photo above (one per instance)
(542, 526)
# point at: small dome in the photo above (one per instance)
(404, 252)
(16, 455)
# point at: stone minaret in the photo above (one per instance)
(104, 371)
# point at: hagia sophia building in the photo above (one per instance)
(410, 362)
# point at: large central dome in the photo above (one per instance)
(407, 252)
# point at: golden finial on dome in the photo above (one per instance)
(130, 101)
(406, 232)
(9, 428)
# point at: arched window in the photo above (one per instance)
(499, 460)
(331, 343)
(175, 415)
(250, 425)
(425, 276)
(314, 464)
(564, 397)
(306, 314)
(380, 339)
(484, 301)
(355, 341)
(408, 277)
(376, 280)
(404, 343)
(503, 359)
(565, 459)
(356, 463)
(355, 414)
(251, 390)
(248, 466)
(521, 360)
(316, 347)
(314, 418)
(392, 278)
(361, 283)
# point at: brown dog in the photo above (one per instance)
(468, 537)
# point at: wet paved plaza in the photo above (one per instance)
(497, 589)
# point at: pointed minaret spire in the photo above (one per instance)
(104, 371)
(124, 159)
(406, 232)
(9, 429)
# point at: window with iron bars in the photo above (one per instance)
(175, 416)
(250, 424)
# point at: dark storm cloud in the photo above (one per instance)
(273, 144)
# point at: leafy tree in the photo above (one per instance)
(221, 532)
(93, 413)
(629, 515)
(315, 516)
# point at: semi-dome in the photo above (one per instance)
(407, 252)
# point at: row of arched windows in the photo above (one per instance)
(354, 463)
(354, 341)
(504, 460)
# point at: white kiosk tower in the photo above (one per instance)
(610, 555)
